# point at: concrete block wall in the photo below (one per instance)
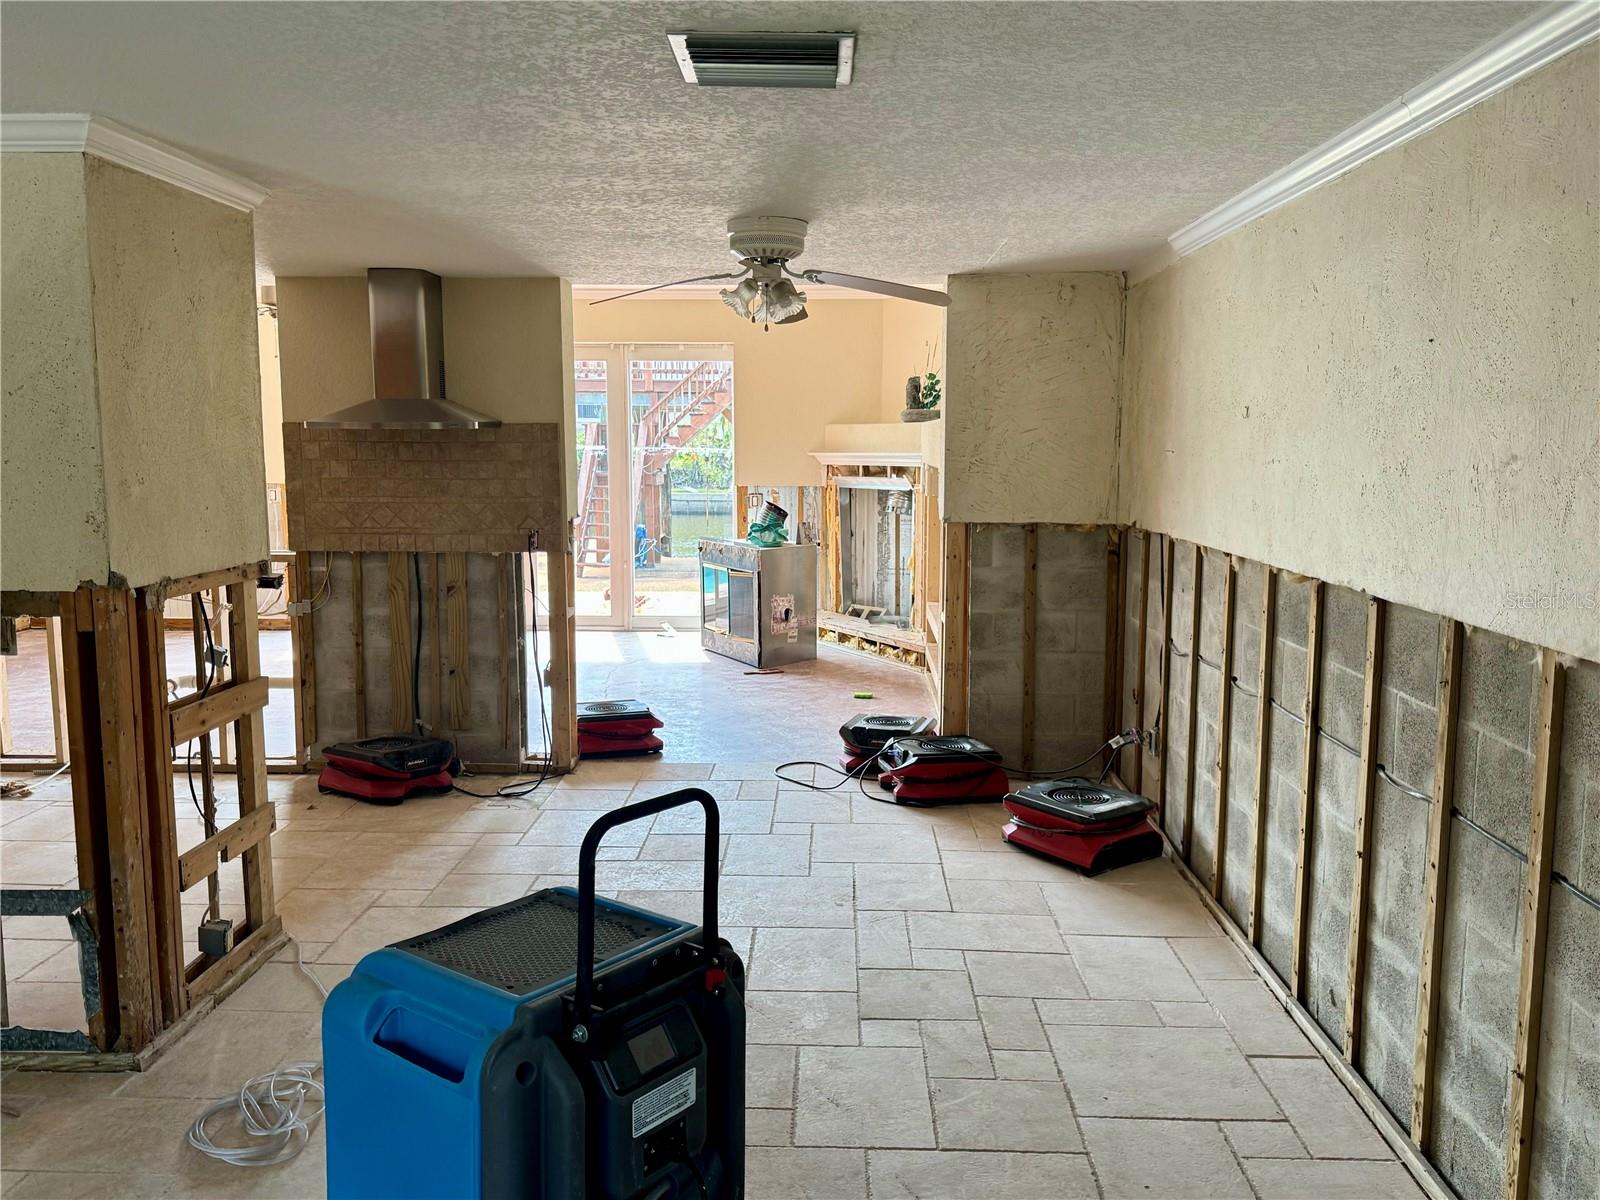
(1134, 596)
(1069, 642)
(1481, 948)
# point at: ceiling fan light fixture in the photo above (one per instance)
(740, 297)
(780, 301)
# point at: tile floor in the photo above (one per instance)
(931, 1014)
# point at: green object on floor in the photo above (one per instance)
(863, 696)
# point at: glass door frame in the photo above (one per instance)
(619, 358)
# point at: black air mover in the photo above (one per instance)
(613, 728)
(942, 770)
(385, 770)
(865, 734)
(1086, 824)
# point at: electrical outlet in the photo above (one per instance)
(299, 608)
(218, 656)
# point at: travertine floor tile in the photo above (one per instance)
(733, 816)
(969, 1175)
(1003, 1114)
(1131, 968)
(956, 1050)
(804, 960)
(938, 960)
(1025, 1064)
(767, 1126)
(818, 902)
(916, 995)
(379, 927)
(680, 847)
(1098, 1012)
(1007, 973)
(1321, 1111)
(1008, 864)
(1145, 1072)
(801, 1018)
(1257, 1021)
(1183, 1160)
(984, 931)
(1011, 1023)
(1191, 1014)
(1146, 900)
(862, 1096)
(769, 1076)
(478, 891)
(767, 854)
(811, 807)
(901, 885)
(891, 1033)
(1211, 958)
(997, 896)
(874, 844)
(1263, 1139)
(1287, 1179)
(881, 939)
(804, 1174)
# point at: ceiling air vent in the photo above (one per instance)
(791, 60)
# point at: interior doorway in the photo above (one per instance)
(655, 475)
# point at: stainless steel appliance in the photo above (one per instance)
(758, 606)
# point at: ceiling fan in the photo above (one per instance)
(765, 246)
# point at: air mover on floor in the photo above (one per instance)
(385, 770)
(864, 735)
(942, 770)
(1078, 821)
(617, 727)
(559, 1046)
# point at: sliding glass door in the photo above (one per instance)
(655, 475)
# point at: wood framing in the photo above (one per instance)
(1144, 642)
(1030, 622)
(201, 861)
(431, 624)
(1308, 791)
(457, 655)
(563, 662)
(198, 714)
(1112, 698)
(504, 574)
(1436, 881)
(1371, 716)
(1263, 780)
(302, 596)
(953, 647)
(1195, 560)
(166, 917)
(358, 640)
(1163, 727)
(741, 510)
(58, 700)
(402, 638)
(1535, 922)
(1219, 850)
(209, 581)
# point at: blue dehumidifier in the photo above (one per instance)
(559, 1047)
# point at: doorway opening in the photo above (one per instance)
(655, 475)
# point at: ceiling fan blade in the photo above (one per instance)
(881, 287)
(674, 283)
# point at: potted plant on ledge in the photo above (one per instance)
(922, 396)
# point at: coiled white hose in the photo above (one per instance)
(279, 1108)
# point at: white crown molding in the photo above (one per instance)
(589, 292)
(1518, 52)
(82, 133)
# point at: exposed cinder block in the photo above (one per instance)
(1577, 838)
(1332, 873)
(1282, 841)
(1344, 662)
(1500, 687)
(1566, 1137)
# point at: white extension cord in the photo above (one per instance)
(279, 1108)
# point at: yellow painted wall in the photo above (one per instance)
(913, 344)
(1393, 383)
(271, 396)
(789, 382)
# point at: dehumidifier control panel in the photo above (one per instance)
(654, 1113)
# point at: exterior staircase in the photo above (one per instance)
(671, 422)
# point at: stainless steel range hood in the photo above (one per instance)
(407, 314)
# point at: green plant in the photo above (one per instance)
(930, 390)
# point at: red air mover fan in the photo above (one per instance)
(865, 735)
(1079, 822)
(385, 770)
(942, 770)
(609, 728)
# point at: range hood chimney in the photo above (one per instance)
(407, 314)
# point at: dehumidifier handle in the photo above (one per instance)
(583, 994)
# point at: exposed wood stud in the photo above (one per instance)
(1436, 881)
(1263, 781)
(260, 904)
(401, 644)
(741, 511)
(304, 627)
(196, 715)
(187, 720)
(202, 860)
(563, 662)
(1112, 698)
(1030, 621)
(358, 640)
(1219, 851)
(431, 623)
(1144, 642)
(1308, 791)
(953, 689)
(1535, 922)
(1196, 559)
(161, 813)
(58, 702)
(1371, 716)
(457, 646)
(1164, 719)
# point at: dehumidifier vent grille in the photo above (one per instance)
(530, 943)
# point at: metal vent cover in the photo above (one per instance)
(772, 59)
(530, 943)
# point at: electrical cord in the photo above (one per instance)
(211, 676)
(278, 1108)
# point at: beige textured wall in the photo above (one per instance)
(1031, 399)
(179, 376)
(913, 344)
(1394, 383)
(52, 497)
(507, 348)
(271, 397)
(789, 383)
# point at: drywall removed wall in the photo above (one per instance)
(1031, 405)
(132, 419)
(789, 383)
(54, 489)
(1391, 383)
